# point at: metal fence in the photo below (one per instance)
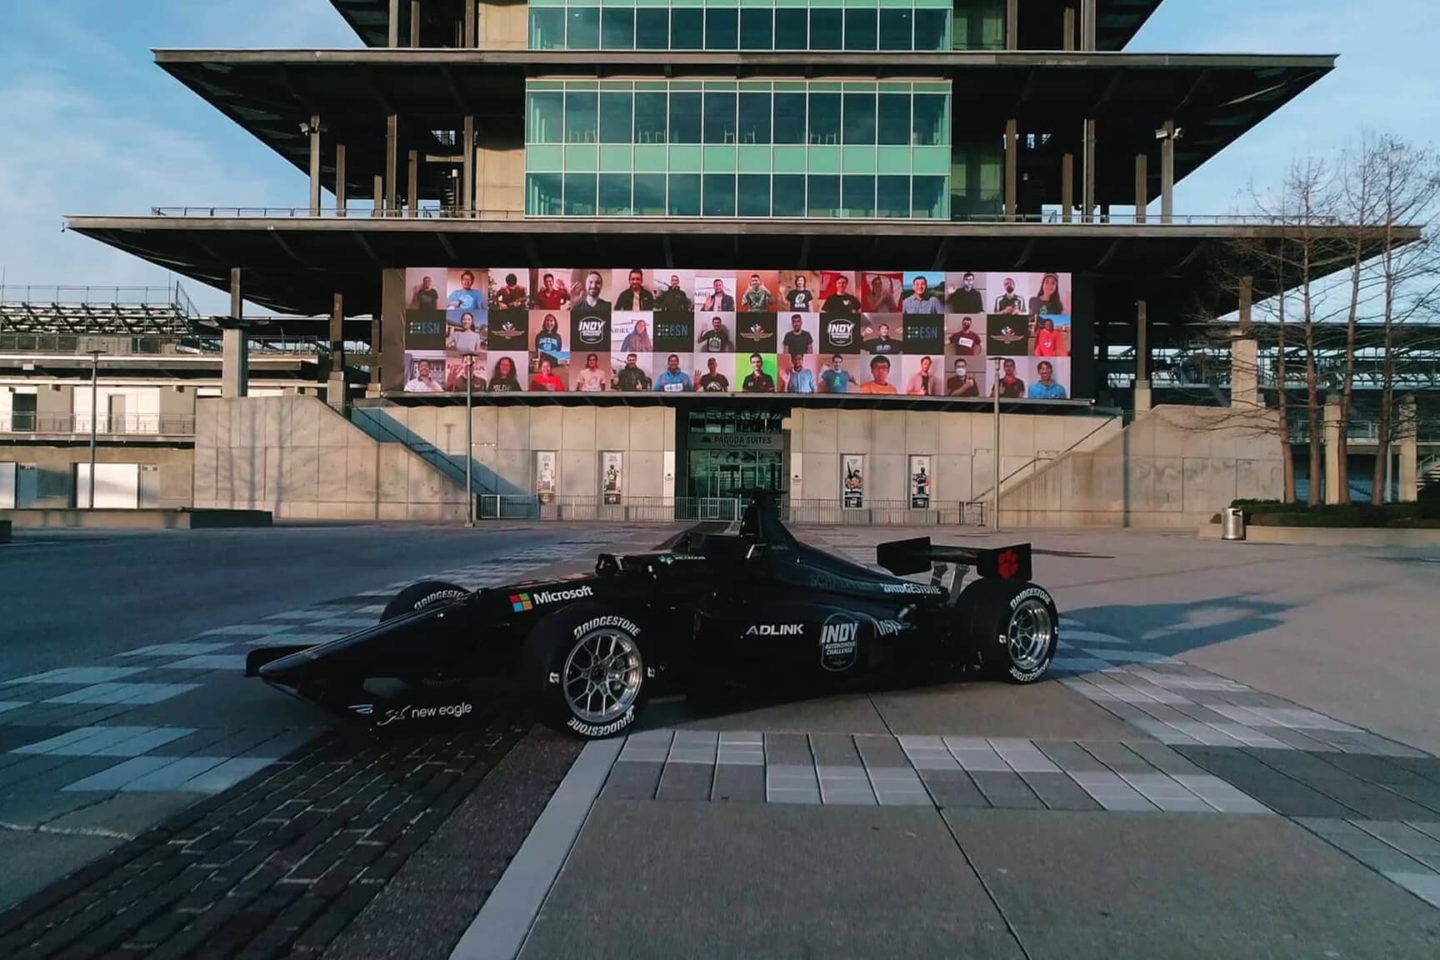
(728, 510)
(108, 425)
(952, 513)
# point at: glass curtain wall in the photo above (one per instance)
(727, 148)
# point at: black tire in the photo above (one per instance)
(995, 609)
(557, 655)
(418, 596)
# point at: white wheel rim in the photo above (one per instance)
(602, 675)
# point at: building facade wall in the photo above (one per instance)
(54, 471)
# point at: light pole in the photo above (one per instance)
(94, 407)
(995, 453)
(469, 439)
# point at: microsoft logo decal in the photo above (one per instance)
(521, 602)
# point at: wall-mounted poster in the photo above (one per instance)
(612, 475)
(921, 476)
(852, 480)
(546, 478)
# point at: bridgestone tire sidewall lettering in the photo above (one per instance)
(551, 642)
(597, 730)
(439, 595)
(609, 620)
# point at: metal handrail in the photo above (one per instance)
(173, 297)
(153, 344)
(127, 424)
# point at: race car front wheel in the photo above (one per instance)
(415, 597)
(586, 665)
(1015, 628)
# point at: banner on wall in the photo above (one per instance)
(546, 478)
(728, 331)
(852, 480)
(922, 474)
(612, 475)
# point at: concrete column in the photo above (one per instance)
(379, 195)
(1247, 297)
(314, 165)
(414, 23)
(470, 24)
(467, 176)
(1067, 42)
(1142, 186)
(1408, 448)
(1012, 24)
(1087, 25)
(1334, 470)
(1012, 168)
(1087, 190)
(339, 179)
(1142, 357)
(412, 185)
(392, 161)
(235, 346)
(1067, 187)
(335, 394)
(372, 389)
(394, 34)
(1167, 173)
(1244, 369)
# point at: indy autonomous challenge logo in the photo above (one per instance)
(528, 601)
(840, 332)
(591, 330)
(839, 642)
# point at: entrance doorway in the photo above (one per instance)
(725, 473)
(729, 451)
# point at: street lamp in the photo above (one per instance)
(995, 453)
(94, 405)
(469, 438)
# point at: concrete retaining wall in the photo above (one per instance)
(1333, 536)
(103, 519)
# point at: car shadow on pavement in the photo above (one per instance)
(1175, 628)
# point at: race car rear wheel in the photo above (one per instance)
(1015, 628)
(587, 666)
(418, 596)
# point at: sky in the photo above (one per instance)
(92, 126)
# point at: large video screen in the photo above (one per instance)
(876, 332)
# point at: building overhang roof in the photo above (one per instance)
(1214, 99)
(295, 265)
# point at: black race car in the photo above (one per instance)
(705, 611)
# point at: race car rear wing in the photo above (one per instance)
(904, 557)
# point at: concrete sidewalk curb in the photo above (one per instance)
(499, 930)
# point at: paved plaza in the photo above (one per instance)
(1234, 756)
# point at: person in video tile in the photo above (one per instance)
(716, 338)
(835, 378)
(879, 377)
(551, 296)
(631, 377)
(503, 378)
(546, 379)
(962, 382)
(1048, 301)
(800, 297)
(712, 380)
(966, 299)
(456, 374)
(1045, 388)
(673, 299)
(1011, 386)
(758, 380)
(1047, 341)
(842, 302)
(883, 342)
(467, 297)
(922, 382)
(466, 340)
(423, 381)
(591, 379)
(512, 296)
(635, 296)
(591, 305)
(719, 299)
(1009, 301)
(966, 341)
(879, 299)
(426, 296)
(920, 301)
(637, 340)
(547, 338)
(756, 298)
(798, 379)
(797, 339)
(673, 379)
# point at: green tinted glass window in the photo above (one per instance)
(580, 116)
(756, 28)
(753, 195)
(652, 28)
(823, 198)
(789, 195)
(544, 121)
(650, 117)
(931, 127)
(893, 119)
(789, 117)
(614, 194)
(584, 28)
(722, 30)
(547, 28)
(827, 29)
(579, 194)
(542, 194)
(615, 117)
(755, 118)
(824, 118)
(859, 118)
(860, 29)
(719, 196)
(649, 194)
(857, 196)
(617, 28)
(719, 117)
(684, 194)
(896, 28)
(931, 27)
(684, 118)
(927, 197)
(792, 29)
(687, 28)
(892, 196)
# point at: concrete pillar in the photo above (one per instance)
(1142, 186)
(1012, 168)
(1067, 42)
(1142, 357)
(1244, 369)
(394, 33)
(412, 185)
(470, 24)
(1247, 297)
(379, 195)
(467, 175)
(235, 346)
(1167, 173)
(1408, 448)
(339, 179)
(1087, 190)
(392, 161)
(335, 394)
(1334, 470)
(1067, 187)
(1012, 24)
(372, 389)
(314, 128)
(1087, 25)
(414, 23)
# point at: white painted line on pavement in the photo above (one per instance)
(499, 930)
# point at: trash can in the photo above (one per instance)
(1232, 524)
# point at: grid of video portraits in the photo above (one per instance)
(876, 332)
